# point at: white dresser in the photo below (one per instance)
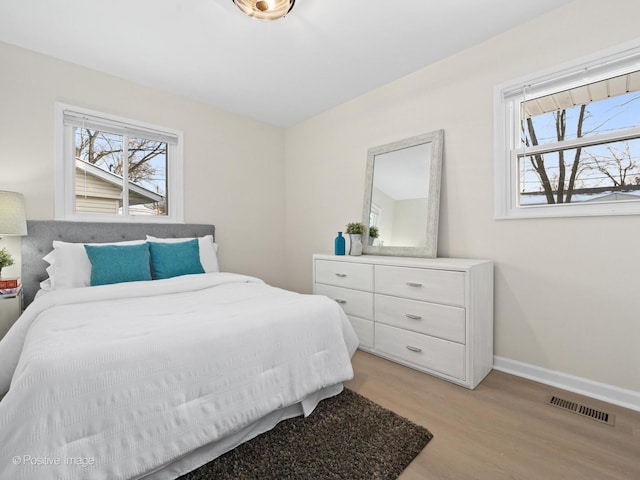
(434, 315)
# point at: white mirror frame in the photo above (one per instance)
(430, 249)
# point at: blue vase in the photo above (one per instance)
(339, 244)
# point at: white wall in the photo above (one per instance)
(406, 231)
(233, 165)
(566, 289)
(387, 215)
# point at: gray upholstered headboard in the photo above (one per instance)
(42, 233)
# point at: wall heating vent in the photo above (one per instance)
(583, 410)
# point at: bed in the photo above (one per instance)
(152, 378)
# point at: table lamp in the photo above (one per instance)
(13, 221)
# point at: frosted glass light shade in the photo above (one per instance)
(13, 220)
(265, 9)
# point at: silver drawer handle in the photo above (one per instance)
(341, 275)
(414, 349)
(340, 301)
(413, 317)
(414, 284)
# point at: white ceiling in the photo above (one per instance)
(404, 174)
(325, 52)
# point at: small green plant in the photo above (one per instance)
(6, 260)
(355, 228)
(373, 231)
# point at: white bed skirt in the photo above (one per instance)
(213, 450)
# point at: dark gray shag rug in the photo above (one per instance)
(346, 437)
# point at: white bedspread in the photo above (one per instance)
(115, 382)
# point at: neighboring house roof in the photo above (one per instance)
(595, 194)
(112, 178)
(615, 196)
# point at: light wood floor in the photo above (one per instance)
(503, 429)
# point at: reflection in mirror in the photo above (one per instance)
(402, 196)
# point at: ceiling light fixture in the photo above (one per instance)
(265, 9)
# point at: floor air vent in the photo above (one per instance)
(583, 410)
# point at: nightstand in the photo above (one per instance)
(10, 310)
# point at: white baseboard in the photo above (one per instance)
(583, 386)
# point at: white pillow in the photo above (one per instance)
(208, 250)
(48, 284)
(70, 266)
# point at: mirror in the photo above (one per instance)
(402, 196)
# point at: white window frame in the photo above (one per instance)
(375, 213)
(610, 63)
(65, 169)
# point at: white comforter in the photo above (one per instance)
(115, 382)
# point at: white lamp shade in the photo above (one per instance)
(13, 220)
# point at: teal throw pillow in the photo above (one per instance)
(175, 259)
(118, 263)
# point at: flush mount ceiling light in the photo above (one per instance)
(265, 9)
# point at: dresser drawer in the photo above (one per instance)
(421, 351)
(345, 274)
(364, 330)
(429, 285)
(440, 321)
(353, 302)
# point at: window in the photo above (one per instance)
(374, 215)
(115, 169)
(568, 143)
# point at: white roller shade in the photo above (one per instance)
(583, 94)
(577, 85)
(80, 120)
